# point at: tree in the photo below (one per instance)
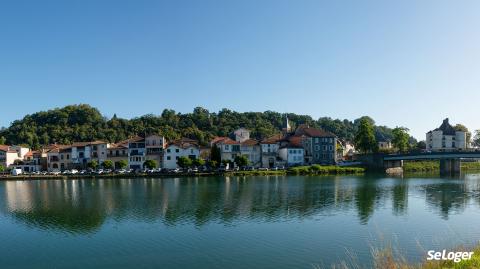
(476, 139)
(122, 164)
(365, 137)
(184, 162)
(215, 154)
(108, 164)
(241, 160)
(150, 164)
(400, 138)
(3, 141)
(2, 169)
(463, 128)
(421, 145)
(92, 164)
(212, 164)
(198, 162)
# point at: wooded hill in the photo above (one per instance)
(85, 123)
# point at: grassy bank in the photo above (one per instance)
(434, 166)
(324, 170)
(386, 260)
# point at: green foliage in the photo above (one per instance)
(421, 145)
(434, 166)
(400, 139)
(198, 162)
(241, 160)
(365, 138)
(122, 164)
(108, 164)
(77, 123)
(476, 139)
(92, 164)
(150, 164)
(463, 128)
(3, 140)
(212, 164)
(324, 170)
(2, 169)
(215, 154)
(184, 162)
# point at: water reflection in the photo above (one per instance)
(83, 206)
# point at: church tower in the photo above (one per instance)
(286, 126)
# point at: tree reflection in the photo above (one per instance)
(82, 206)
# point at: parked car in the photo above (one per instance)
(74, 171)
(263, 169)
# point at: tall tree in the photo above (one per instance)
(400, 138)
(476, 139)
(463, 128)
(365, 137)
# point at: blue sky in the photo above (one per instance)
(405, 63)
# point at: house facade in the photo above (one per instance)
(180, 148)
(10, 154)
(269, 152)
(241, 145)
(446, 138)
(320, 146)
(136, 153)
(117, 153)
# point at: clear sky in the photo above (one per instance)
(406, 63)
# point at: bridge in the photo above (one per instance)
(449, 161)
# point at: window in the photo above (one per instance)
(61, 156)
(168, 150)
(176, 158)
(330, 148)
(68, 156)
(169, 158)
(317, 147)
(177, 150)
(316, 139)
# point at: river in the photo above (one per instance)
(232, 222)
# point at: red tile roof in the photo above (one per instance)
(273, 139)
(184, 143)
(249, 142)
(4, 148)
(313, 132)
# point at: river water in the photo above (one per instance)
(232, 222)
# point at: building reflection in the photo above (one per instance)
(82, 206)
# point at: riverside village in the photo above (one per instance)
(299, 147)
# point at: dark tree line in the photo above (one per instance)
(85, 123)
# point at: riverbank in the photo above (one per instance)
(434, 166)
(387, 259)
(299, 170)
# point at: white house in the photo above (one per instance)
(446, 138)
(241, 135)
(10, 154)
(270, 147)
(292, 155)
(180, 148)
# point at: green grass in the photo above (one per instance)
(433, 166)
(324, 170)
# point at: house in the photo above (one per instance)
(11, 154)
(320, 146)
(269, 151)
(84, 152)
(241, 135)
(385, 145)
(229, 148)
(291, 151)
(118, 152)
(155, 145)
(180, 148)
(59, 158)
(446, 138)
(136, 153)
(33, 161)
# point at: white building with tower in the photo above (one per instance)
(446, 138)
